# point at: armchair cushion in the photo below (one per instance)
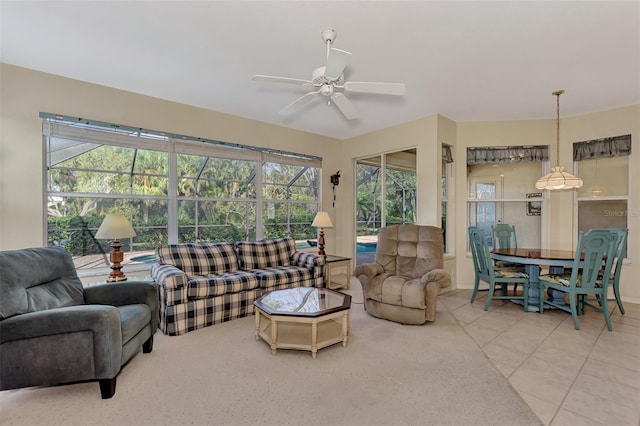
(397, 290)
(52, 284)
(133, 319)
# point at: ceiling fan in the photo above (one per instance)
(329, 82)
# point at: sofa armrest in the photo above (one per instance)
(126, 293)
(369, 269)
(439, 276)
(172, 284)
(307, 260)
(168, 276)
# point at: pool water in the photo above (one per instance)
(145, 258)
(366, 247)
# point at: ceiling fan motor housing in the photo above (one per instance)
(318, 78)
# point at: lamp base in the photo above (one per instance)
(117, 256)
(116, 279)
(321, 243)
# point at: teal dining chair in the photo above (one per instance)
(593, 259)
(486, 271)
(504, 237)
(616, 270)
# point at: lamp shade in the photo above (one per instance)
(115, 226)
(322, 220)
(559, 178)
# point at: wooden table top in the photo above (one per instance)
(528, 253)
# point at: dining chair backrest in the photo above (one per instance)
(504, 236)
(480, 252)
(595, 251)
(620, 250)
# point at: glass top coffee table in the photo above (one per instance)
(302, 318)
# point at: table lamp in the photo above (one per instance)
(322, 220)
(113, 227)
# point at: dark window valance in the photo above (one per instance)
(602, 148)
(507, 154)
(447, 156)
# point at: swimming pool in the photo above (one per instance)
(366, 247)
(145, 258)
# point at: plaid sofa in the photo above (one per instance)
(202, 284)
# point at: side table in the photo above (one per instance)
(337, 272)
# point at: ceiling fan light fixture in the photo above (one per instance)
(559, 178)
(327, 90)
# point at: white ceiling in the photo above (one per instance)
(469, 61)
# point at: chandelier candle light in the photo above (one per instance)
(113, 227)
(322, 220)
(559, 178)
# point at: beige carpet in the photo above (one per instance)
(389, 374)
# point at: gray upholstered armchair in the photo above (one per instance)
(403, 283)
(53, 331)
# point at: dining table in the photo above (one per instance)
(533, 259)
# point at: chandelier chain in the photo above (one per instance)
(557, 94)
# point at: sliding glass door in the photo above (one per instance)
(385, 195)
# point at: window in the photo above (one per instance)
(290, 194)
(385, 195)
(172, 188)
(603, 165)
(216, 199)
(447, 163)
(507, 177)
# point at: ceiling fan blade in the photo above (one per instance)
(397, 89)
(298, 103)
(336, 62)
(272, 79)
(345, 106)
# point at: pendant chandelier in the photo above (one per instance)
(559, 178)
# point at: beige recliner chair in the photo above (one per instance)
(403, 283)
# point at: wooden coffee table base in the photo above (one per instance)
(302, 333)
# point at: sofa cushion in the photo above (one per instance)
(133, 318)
(204, 286)
(37, 279)
(282, 275)
(200, 258)
(265, 253)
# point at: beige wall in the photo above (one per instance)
(25, 93)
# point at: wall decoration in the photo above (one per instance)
(335, 181)
(534, 208)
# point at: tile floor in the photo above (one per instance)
(568, 377)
